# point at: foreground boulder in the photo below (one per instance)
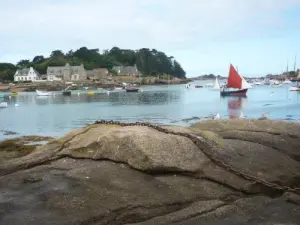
(111, 174)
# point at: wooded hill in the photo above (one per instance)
(149, 62)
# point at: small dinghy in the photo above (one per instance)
(66, 93)
(43, 93)
(3, 104)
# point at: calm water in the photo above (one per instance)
(56, 115)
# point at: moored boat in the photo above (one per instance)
(209, 85)
(43, 93)
(66, 92)
(3, 104)
(297, 87)
(217, 84)
(131, 88)
(235, 81)
(287, 81)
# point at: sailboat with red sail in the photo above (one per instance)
(237, 82)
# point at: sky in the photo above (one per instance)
(257, 36)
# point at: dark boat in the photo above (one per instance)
(66, 93)
(198, 86)
(241, 92)
(235, 81)
(131, 88)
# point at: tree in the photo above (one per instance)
(178, 71)
(38, 59)
(23, 63)
(57, 53)
(7, 71)
(148, 61)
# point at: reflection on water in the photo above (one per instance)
(235, 105)
(58, 114)
(113, 98)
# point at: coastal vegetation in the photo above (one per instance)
(207, 77)
(150, 62)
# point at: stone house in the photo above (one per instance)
(27, 74)
(97, 74)
(127, 70)
(66, 73)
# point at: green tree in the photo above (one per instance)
(7, 71)
(38, 59)
(148, 61)
(23, 63)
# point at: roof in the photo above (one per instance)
(25, 72)
(60, 69)
(22, 72)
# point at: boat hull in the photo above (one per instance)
(241, 92)
(198, 86)
(294, 88)
(3, 104)
(43, 93)
(66, 93)
(132, 90)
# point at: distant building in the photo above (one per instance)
(97, 74)
(66, 73)
(27, 74)
(127, 70)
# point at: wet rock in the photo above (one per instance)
(8, 132)
(109, 174)
(21, 146)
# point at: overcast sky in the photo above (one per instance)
(258, 36)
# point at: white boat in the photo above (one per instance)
(3, 104)
(276, 83)
(294, 88)
(297, 87)
(217, 84)
(209, 84)
(287, 81)
(43, 93)
(267, 81)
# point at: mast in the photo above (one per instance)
(295, 62)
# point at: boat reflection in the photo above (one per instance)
(235, 106)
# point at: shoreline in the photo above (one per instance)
(186, 122)
(58, 86)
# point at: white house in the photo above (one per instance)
(27, 75)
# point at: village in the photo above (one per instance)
(59, 77)
(69, 73)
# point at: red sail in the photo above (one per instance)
(234, 79)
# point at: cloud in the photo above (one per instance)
(39, 26)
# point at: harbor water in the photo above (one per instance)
(28, 114)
